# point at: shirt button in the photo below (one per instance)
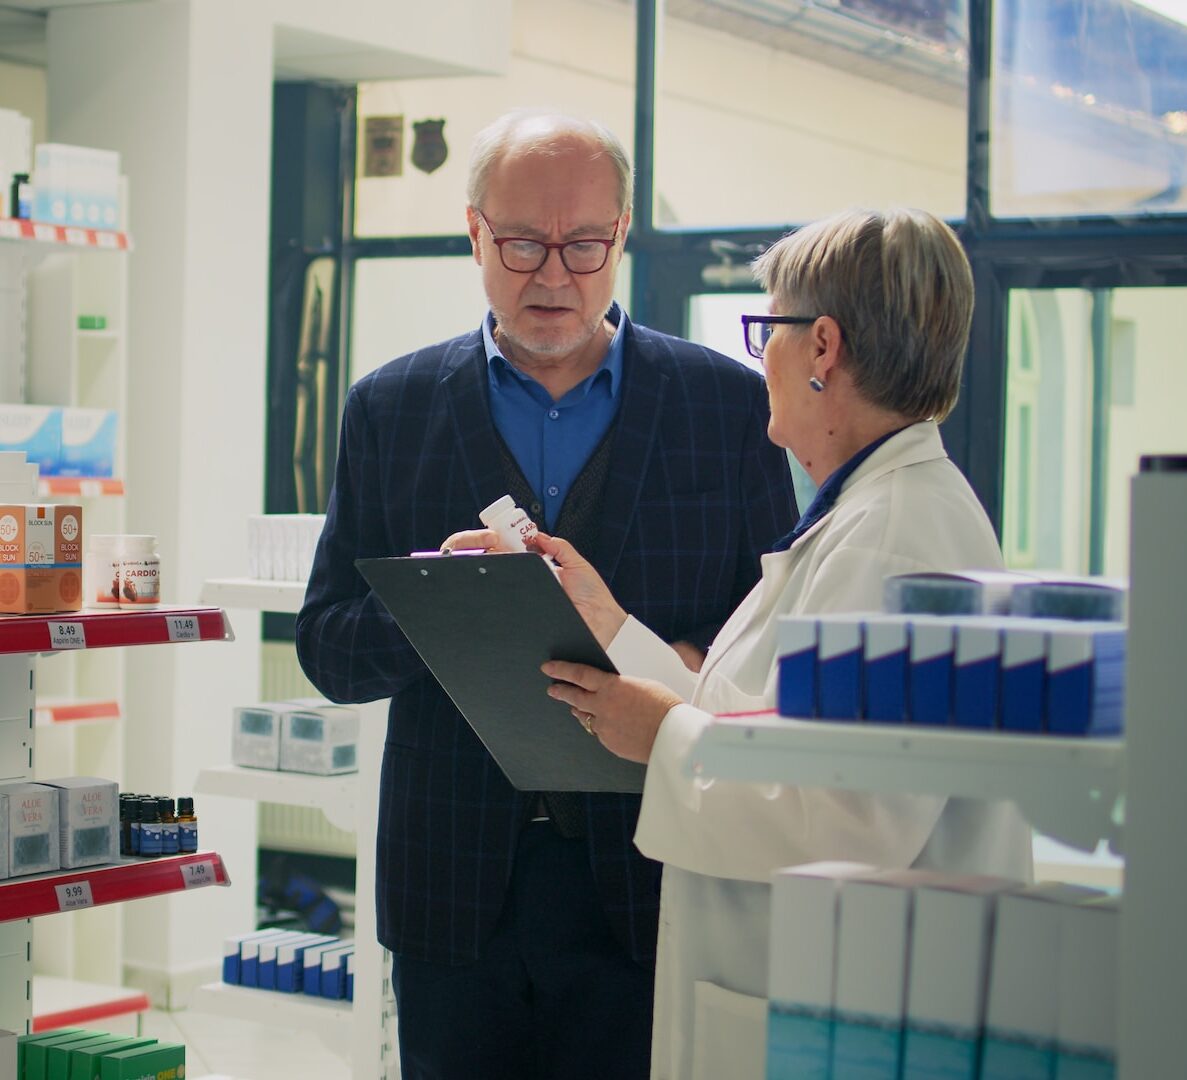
(553, 414)
(537, 510)
(554, 490)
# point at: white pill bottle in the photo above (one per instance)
(512, 524)
(140, 572)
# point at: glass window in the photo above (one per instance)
(569, 55)
(1096, 378)
(774, 112)
(1089, 107)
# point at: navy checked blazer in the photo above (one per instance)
(695, 493)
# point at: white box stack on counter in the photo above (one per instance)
(307, 736)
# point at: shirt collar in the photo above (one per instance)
(611, 363)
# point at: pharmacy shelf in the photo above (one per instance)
(282, 596)
(44, 232)
(103, 629)
(59, 1003)
(87, 487)
(330, 1020)
(335, 796)
(1067, 788)
(75, 712)
(133, 879)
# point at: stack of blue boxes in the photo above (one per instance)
(980, 650)
(291, 962)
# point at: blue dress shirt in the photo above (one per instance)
(552, 440)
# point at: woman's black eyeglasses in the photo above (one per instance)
(756, 329)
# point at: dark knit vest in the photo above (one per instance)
(578, 522)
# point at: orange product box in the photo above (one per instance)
(40, 558)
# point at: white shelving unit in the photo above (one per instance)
(362, 1031)
(101, 887)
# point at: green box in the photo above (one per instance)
(86, 1061)
(57, 1058)
(165, 1061)
(36, 1052)
(24, 1041)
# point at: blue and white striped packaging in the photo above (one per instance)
(311, 965)
(232, 965)
(333, 971)
(976, 668)
(796, 644)
(930, 674)
(886, 655)
(838, 667)
(1023, 675)
(290, 958)
(1086, 679)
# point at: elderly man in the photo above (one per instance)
(523, 924)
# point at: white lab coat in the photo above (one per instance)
(906, 508)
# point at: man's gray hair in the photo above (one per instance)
(899, 285)
(537, 131)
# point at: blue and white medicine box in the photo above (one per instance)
(886, 644)
(311, 963)
(249, 956)
(805, 902)
(1086, 679)
(1086, 1014)
(976, 667)
(290, 961)
(350, 977)
(929, 676)
(1064, 596)
(232, 968)
(951, 942)
(795, 639)
(321, 739)
(88, 442)
(255, 735)
(333, 971)
(972, 592)
(1019, 1042)
(267, 966)
(1023, 675)
(838, 668)
(34, 429)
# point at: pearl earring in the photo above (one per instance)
(816, 384)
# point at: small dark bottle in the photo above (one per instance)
(170, 843)
(152, 837)
(20, 200)
(187, 825)
(134, 824)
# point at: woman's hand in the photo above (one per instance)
(584, 586)
(624, 713)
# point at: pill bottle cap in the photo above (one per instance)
(133, 545)
(496, 510)
(165, 805)
(103, 543)
(149, 811)
(185, 804)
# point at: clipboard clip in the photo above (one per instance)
(442, 553)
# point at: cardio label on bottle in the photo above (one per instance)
(140, 582)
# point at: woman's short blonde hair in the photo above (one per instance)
(899, 285)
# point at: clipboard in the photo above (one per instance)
(483, 625)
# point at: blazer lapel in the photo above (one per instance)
(641, 401)
(466, 390)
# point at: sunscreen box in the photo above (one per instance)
(838, 668)
(951, 944)
(321, 739)
(795, 642)
(33, 844)
(1019, 1041)
(1086, 1013)
(255, 735)
(929, 677)
(1086, 679)
(872, 954)
(88, 820)
(290, 961)
(885, 660)
(805, 902)
(976, 667)
(40, 558)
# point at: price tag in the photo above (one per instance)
(196, 874)
(106, 239)
(75, 895)
(67, 635)
(182, 628)
(10, 229)
(46, 233)
(76, 236)
(90, 488)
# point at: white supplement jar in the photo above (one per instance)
(510, 522)
(101, 571)
(140, 572)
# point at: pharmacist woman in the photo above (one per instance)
(863, 349)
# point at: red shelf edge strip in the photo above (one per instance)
(88, 1014)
